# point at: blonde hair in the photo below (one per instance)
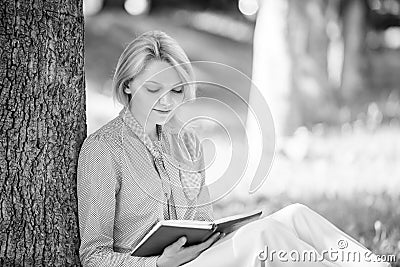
(150, 46)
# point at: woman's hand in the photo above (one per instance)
(175, 254)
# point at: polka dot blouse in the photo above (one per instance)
(126, 183)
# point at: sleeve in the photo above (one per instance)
(204, 212)
(97, 185)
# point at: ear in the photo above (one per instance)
(127, 90)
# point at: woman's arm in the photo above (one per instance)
(97, 186)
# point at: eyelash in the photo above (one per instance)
(179, 91)
(153, 90)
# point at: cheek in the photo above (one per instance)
(144, 100)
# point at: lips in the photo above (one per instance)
(162, 111)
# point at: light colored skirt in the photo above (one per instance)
(293, 236)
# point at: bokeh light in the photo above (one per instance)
(248, 7)
(136, 7)
(392, 37)
(92, 7)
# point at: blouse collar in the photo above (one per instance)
(191, 186)
(138, 130)
(154, 146)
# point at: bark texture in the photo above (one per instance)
(42, 127)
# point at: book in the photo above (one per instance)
(165, 232)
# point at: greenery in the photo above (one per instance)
(356, 189)
(373, 219)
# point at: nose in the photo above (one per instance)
(165, 99)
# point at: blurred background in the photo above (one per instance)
(330, 72)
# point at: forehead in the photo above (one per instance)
(159, 71)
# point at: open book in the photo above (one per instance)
(165, 232)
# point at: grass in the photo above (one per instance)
(356, 188)
(371, 219)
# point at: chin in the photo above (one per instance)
(162, 118)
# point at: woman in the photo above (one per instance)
(139, 168)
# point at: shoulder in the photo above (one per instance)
(106, 138)
(109, 130)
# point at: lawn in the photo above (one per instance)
(351, 178)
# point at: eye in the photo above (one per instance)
(178, 90)
(153, 87)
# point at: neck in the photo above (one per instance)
(151, 131)
(150, 128)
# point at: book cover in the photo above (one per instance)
(166, 232)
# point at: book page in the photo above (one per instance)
(238, 217)
(188, 223)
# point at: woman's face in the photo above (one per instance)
(154, 93)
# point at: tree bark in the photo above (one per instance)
(42, 127)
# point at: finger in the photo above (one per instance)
(207, 243)
(177, 245)
(221, 236)
(214, 238)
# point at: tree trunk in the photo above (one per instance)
(355, 65)
(290, 62)
(308, 42)
(42, 127)
(272, 64)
